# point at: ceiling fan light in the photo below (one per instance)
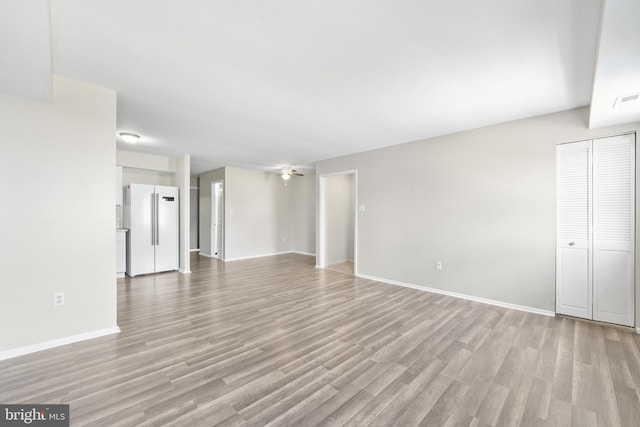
(129, 138)
(286, 175)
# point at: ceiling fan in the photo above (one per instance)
(288, 172)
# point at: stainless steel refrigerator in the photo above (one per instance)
(151, 215)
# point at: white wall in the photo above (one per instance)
(141, 176)
(151, 162)
(482, 202)
(303, 205)
(258, 215)
(58, 222)
(262, 215)
(182, 180)
(339, 230)
(141, 168)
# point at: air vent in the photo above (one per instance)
(627, 101)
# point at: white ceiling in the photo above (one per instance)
(25, 49)
(618, 64)
(262, 84)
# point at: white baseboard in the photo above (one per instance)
(259, 256)
(20, 351)
(638, 330)
(194, 250)
(329, 264)
(256, 256)
(462, 296)
(184, 271)
(119, 275)
(303, 253)
(204, 254)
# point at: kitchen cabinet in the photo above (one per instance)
(121, 252)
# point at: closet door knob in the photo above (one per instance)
(572, 243)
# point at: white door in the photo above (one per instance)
(166, 232)
(596, 229)
(613, 229)
(217, 219)
(573, 269)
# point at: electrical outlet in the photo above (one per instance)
(58, 298)
(438, 265)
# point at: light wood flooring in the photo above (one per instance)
(342, 267)
(275, 341)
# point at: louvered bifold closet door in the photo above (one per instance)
(614, 229)
(573, 269)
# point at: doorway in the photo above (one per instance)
(338, 222)
(217, 219)
(194, 213)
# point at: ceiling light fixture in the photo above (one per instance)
(286, 174)
(129, 138)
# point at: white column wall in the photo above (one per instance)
(58, 219)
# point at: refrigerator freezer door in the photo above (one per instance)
(166, 228)
(139, 221)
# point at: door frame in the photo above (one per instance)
(212, 236)
(321, 256)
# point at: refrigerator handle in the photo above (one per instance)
(153, 219)
(157, 218)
